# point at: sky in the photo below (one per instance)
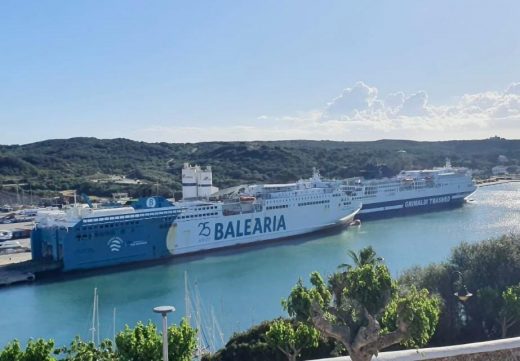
(172, 71)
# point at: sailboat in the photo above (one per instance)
(94, 329)
(210, 336)
(94, 326)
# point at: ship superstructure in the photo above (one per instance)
(155, 228)
(412, 191)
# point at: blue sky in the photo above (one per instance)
(222, 70)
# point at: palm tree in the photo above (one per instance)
(365, 256)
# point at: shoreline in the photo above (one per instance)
(491, 182)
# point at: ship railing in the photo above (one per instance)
(132, 216)
(296, 192)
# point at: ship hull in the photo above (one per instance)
(226, 232)
(412, 205)
(89, 246)
(83, 248)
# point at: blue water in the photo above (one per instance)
(246, 286)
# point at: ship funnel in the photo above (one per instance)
(196, 182)
(315, 174)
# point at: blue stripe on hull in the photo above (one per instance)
(411, 206)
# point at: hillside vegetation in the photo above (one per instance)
(73, 163)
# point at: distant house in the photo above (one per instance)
(502, 159)
(499, 170)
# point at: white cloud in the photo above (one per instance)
(394, 100)
(514, 88)
(491, 111)
(414, 105)
(358, 113)
(358, 98)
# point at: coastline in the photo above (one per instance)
(497, 180)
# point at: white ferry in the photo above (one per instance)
(412, 191)
(259, 212)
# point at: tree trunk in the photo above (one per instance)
(358, 355)
(504, 327)
(290, 356)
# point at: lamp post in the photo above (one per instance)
(462, 294)
(164, 310)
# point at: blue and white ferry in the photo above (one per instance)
(155, 228)
(412, 191)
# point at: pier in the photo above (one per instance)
(16, 264)
(25, 271)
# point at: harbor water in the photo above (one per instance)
(239, 288)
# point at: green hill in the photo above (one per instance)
(74, 163)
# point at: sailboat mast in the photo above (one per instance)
(93, 328)
(187, 302)
(97, 317)
(114, 326)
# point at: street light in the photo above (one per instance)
(164, 310)
(463, 294)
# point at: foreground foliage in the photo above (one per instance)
(36, 350)
(253, 345)
(141, 343)
(491, 271)
(80, 350)
(291, 340)
(364, 310)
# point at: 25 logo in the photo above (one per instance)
(204, 229)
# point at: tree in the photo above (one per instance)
(414, 310)
(290, 340)
(510, 311)
(252, 345)
(249, 345)
(489, 268)
(363, 309)
(366, 256)
(80, 350)
(143, 343)
(182, 342)
(36, 350)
